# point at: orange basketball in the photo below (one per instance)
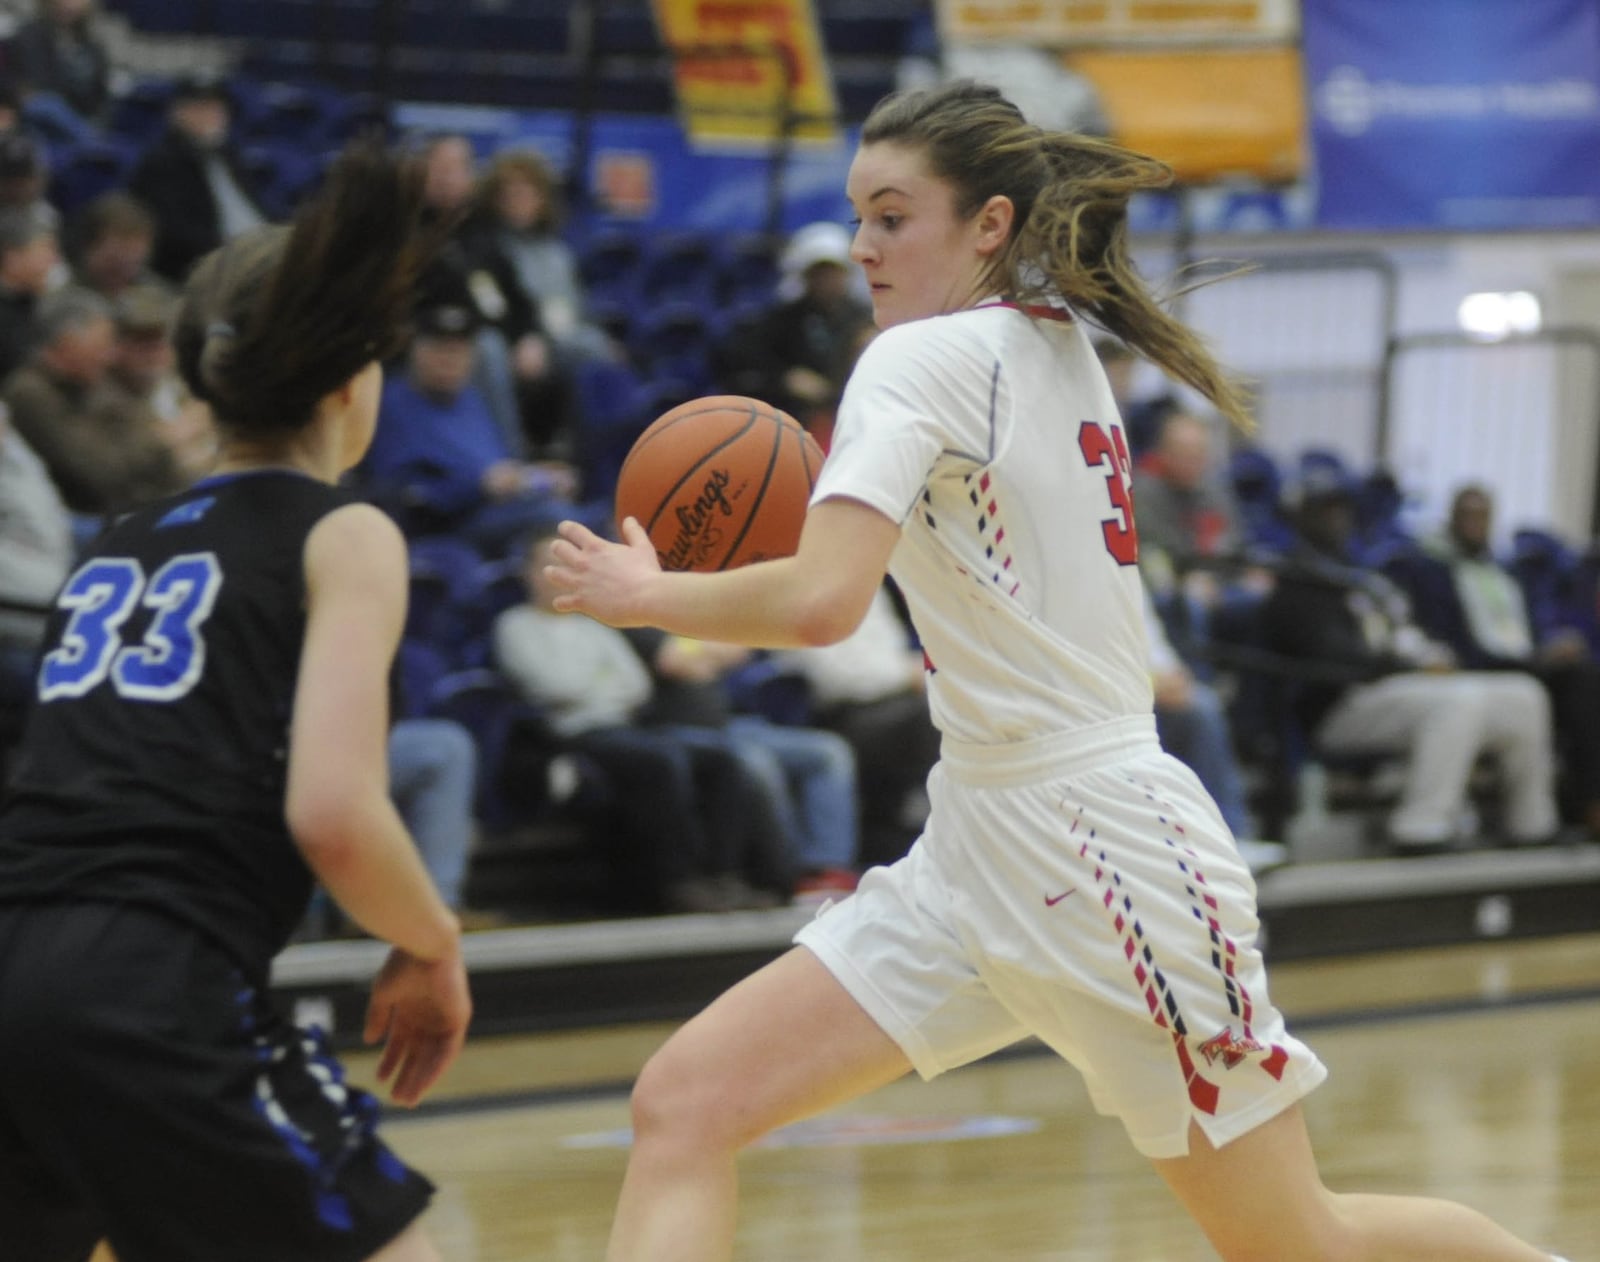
(720, 482)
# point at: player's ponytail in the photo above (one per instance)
(276, 319)
(1069, 241)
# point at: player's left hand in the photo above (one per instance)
(605, 580)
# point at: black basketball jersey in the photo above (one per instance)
(154, 761)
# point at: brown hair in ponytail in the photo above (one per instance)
(1070, 235)
(278, 318)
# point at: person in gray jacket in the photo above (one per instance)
(36, 551)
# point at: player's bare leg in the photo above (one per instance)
(1260, 1199)
(783, 1044)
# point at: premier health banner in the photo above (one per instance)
(1455, 114)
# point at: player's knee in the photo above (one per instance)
(675, 1102)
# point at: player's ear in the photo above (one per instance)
(993, 223)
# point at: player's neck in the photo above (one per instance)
(316, 449)
(243, 456)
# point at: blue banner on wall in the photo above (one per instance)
(1455, 114)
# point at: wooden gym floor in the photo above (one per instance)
(1471, 1072)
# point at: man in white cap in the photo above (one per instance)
(798, 355)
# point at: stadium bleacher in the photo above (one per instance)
(312, 73)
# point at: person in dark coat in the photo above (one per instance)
(59, 52)
(192, 181)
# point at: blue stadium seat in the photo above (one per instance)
(86, 171)
(608, 261)
(614, 315)
(495, 586)
(279, 175)
(1546, 568)
(859, 83)
(355, 114)
(678, 266)
(487, 706)
(1318, 460)
(1257, 484)
(1582, 605)
(162, 17)
(140, 113)
(612, 406)
(420, 666)
(627, 32)
(55, 122)
(769, 686)
(282, 19)
(747, 268)
(442, 572)
(285, 113)
(635, 86)
(884, 35)
(673, 340)
(1380, 503)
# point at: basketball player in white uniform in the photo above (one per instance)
(1073, 881)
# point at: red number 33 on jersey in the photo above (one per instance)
(1110, 451)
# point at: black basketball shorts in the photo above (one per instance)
(150, 1096)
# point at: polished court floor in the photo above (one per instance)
(1469, 1072)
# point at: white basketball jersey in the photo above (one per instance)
(993, 438)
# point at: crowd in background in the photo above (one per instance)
(1291, 621)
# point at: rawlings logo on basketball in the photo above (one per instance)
(697, 532)
(1229, 1050)
(719, 482)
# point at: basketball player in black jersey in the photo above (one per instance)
(208, 738)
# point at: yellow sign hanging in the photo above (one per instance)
(733, 61)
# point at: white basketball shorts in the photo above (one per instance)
(1081, 888)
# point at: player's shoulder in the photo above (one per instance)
(939, 348)
(356, 528)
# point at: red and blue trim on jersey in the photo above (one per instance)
(987, 501)
(1033, 310)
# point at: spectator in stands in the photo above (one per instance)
(1185, 510)
(518, 372)
(10, 108)
(24, 174)
(1193, 726)
(799, 354)
(433, 773)
(701, 833)
(1190, 544)
(110, 242)
(1397, 691)
(1474, 604)
(191, 181)
(433, 777)
(1141, 411)
(523, 199)
(144, 371)
(870, 688)
(36, 553)
(29, 262)
(103, 454)
(809, 774)
(59, 52)
(438, 455)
